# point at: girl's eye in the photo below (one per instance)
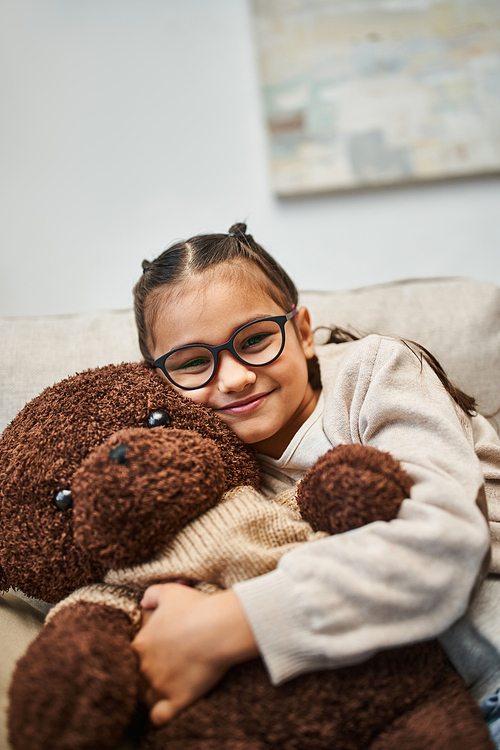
(257, 339)
(195, 364)
(190, 360)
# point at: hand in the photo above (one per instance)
(187, 643)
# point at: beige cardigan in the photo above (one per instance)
(341, 599)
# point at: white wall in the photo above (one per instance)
(127, 124)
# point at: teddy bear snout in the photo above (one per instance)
(135, 491)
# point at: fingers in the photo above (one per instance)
(163, 711)
(151, 597)
(179, 649)
(154, 595)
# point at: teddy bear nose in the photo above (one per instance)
(158, 418)
(119, 454)
(64, 499)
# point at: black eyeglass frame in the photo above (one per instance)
(281, 320)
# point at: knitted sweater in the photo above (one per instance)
(340, 600)
(243, 536)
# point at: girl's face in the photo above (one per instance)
(264, 406)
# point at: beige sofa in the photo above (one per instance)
(457, 319)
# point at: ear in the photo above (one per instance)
(305, 332)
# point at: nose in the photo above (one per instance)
(232, 375)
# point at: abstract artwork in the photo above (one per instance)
(363, 93)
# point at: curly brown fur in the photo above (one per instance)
(134, 482)
(82, 660)
(446, 712)
(346, 709)
(188, 480)
(134, 486)
(351, 486)
(43, 448)
(3, 581)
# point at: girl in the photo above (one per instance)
(218, 318)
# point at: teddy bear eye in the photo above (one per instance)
(63, 499)
(158, 418)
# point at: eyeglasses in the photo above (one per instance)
(256, 344)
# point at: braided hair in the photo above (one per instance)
(193, 256)
(197, 254)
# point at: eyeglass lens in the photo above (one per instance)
(256, 344)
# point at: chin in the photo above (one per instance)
(249, 437)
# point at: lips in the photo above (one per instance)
(245, 405)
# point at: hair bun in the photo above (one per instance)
(238, 228)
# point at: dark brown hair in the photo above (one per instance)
(203, 251)
(197, 254)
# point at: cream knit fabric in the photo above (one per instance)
(342, 598)
(339, 600)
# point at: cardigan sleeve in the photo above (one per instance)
(337, 601)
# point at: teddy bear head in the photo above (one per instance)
(99, 471)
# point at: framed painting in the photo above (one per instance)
(363, 93)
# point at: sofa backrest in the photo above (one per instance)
(457, 319)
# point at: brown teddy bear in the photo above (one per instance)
(110, 481)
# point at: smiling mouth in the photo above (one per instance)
(248, 404)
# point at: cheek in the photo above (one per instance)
(294, 364)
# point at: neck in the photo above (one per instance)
(275, 445)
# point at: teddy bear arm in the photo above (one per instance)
(350, 486)
(77, 684)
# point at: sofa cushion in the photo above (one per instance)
(457, 319)
(36, 352)
(20, 623)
